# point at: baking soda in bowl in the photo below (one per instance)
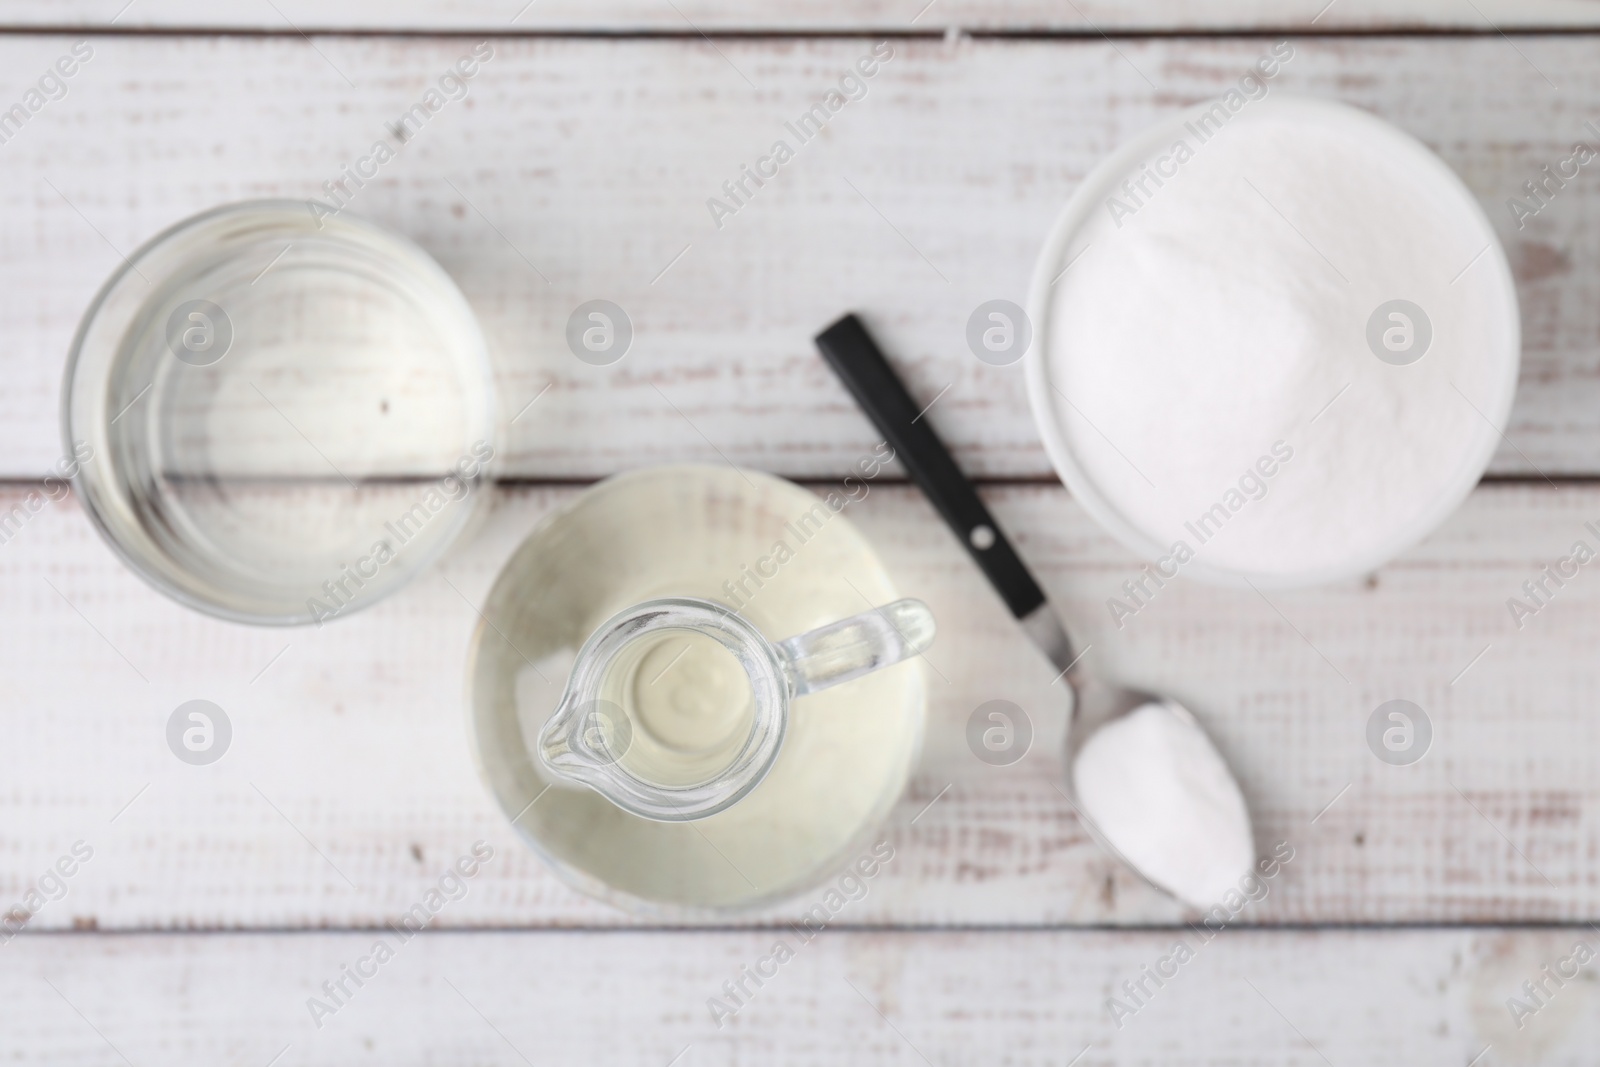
(1275, 343)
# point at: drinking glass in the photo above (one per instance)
(286, 417)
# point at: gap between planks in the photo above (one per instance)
(825, 33)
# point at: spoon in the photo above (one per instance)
(1144, 778)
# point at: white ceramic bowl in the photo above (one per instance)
(1466, 380)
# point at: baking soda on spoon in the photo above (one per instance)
(1152, 785)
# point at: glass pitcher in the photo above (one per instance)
(678, 693)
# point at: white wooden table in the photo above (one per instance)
(218, 899)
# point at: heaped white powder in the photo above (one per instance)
(1222, 316)
(1156, 789)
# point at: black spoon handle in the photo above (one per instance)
(850, 351)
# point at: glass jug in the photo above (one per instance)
(678, 693)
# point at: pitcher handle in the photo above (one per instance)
(845, 650)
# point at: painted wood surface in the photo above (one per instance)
(1090, 17)
(349, 785)
(577, 169)
(1347, 998)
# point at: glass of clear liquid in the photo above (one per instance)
(281, 418)
(695, 690)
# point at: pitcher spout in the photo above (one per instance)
(583, 738)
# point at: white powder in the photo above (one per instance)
(1226, 310)
(1155, 788)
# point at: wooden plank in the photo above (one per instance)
(1018, 998)
(590, 162)
(613, 16)
(350, 761)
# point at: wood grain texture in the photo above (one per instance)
(1015, 998)
(811, 16)
(577, 169)
(349, 784)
